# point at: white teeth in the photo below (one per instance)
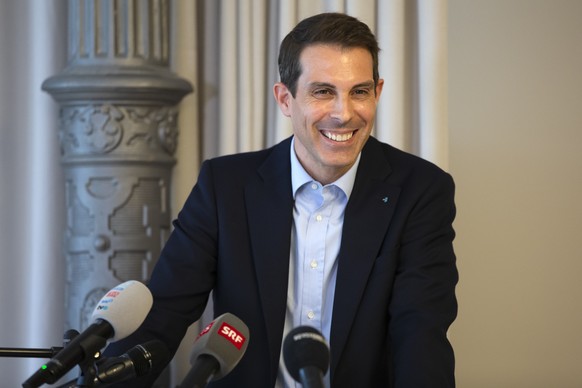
(338, 137)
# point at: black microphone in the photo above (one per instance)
(138, 361)
(118, 314)
(217, 350)
(306, 356)
(69, 335)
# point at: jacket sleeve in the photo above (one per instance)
(423, 303)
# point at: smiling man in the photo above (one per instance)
(330, 228)
(332, 108)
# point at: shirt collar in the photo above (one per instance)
(299, 176)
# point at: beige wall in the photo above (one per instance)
(515, 111)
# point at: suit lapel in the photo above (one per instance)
(366, 221)
(269, 201)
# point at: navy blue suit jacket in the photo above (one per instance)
(395, 290)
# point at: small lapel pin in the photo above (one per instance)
(385, 199)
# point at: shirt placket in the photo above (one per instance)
(313, 264)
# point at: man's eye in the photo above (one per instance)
(361, 92)
(321, 92)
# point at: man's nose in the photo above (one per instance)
(343, 109)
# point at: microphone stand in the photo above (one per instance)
(30, 352)
(88, 371)
(39, 352)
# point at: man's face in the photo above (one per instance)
(333, 110)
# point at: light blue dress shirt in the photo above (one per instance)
(318, 215)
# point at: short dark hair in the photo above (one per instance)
(325, 28)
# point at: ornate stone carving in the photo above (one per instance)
(90, 129)
(118, 134)
(162, 123)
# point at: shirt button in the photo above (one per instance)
(313, 264)
(319, 218)
(310, 315)
(314, 186)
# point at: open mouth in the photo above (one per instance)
(339, 137)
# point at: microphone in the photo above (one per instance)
(217, 350)
(68, 336)
(306, 356)
(118, 314)
(138, 361)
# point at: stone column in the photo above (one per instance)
(118, 114)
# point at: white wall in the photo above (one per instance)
(515, 115)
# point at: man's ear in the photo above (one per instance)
(379, 87)
(283, 97)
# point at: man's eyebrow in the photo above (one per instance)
(315, 85)
(366, 84)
